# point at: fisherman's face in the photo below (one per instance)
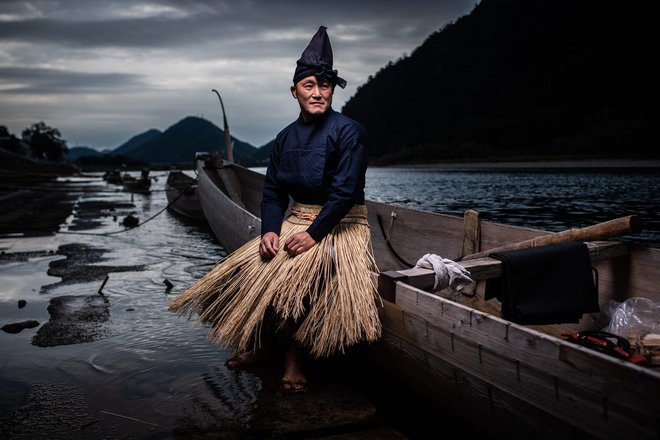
(313, 95)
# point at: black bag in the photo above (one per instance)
(551, 284)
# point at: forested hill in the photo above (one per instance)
(521, 79)
(179, 143)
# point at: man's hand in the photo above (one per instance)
(270, 244)
(298, 243)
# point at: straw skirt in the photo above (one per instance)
(327, 291)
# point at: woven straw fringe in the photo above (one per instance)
(328, 290)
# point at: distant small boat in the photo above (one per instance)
(182, 198)
(113, 176)
(140, 184)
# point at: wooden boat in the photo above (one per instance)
(113, 176)
(181, 191)
(134, 184)
(515, 381)
(230, 196)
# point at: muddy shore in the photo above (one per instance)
(36, 206)
(336, 406)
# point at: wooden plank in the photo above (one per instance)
(231, 224)
(494, 235)
(484, 268)
(528, 365)
(443, 377)
(471, 232)
(501, 335)
(487, 267)
(609, 253)
(644, 264)
(467, 398)
(471, 242)
(252, 185)
(411, 234)
(232, 184)
(628, 391)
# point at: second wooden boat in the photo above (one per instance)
(182, 198)
(141, 184)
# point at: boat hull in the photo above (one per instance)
(140, 185)
(182, 198)
(236, 220)
(517, 381)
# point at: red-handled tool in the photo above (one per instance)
(608, 343)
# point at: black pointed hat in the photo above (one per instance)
(316, 60)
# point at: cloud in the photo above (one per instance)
(104, 71)
(27, 80)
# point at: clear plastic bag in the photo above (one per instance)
(634, 318)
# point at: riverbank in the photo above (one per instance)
(106, 345)
(15, 164)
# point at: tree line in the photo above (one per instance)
(38, 141)
(521, 80)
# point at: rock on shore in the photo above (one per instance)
(73, 320)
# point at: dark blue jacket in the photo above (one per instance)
(320, 163)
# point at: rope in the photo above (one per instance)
(389, 245)
(182, 192)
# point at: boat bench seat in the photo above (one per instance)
(481, 268)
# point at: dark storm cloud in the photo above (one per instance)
(127, 33)
(67, 59)
(53, 81)
(196, 22)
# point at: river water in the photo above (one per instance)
(150, 374)
(551, 199)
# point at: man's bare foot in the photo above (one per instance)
(294, 386)
(294, 379)
(244, 359)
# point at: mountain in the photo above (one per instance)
(75, 153)
(514, 79)
(261, 156)
(134, 144)
(179, 143)
(520, 79)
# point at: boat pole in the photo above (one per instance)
(228, 146)
(631, 224)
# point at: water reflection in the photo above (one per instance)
(149, 363)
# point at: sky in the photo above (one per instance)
(102, 72)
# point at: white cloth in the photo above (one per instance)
(448, 273)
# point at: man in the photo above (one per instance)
(306, 283)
